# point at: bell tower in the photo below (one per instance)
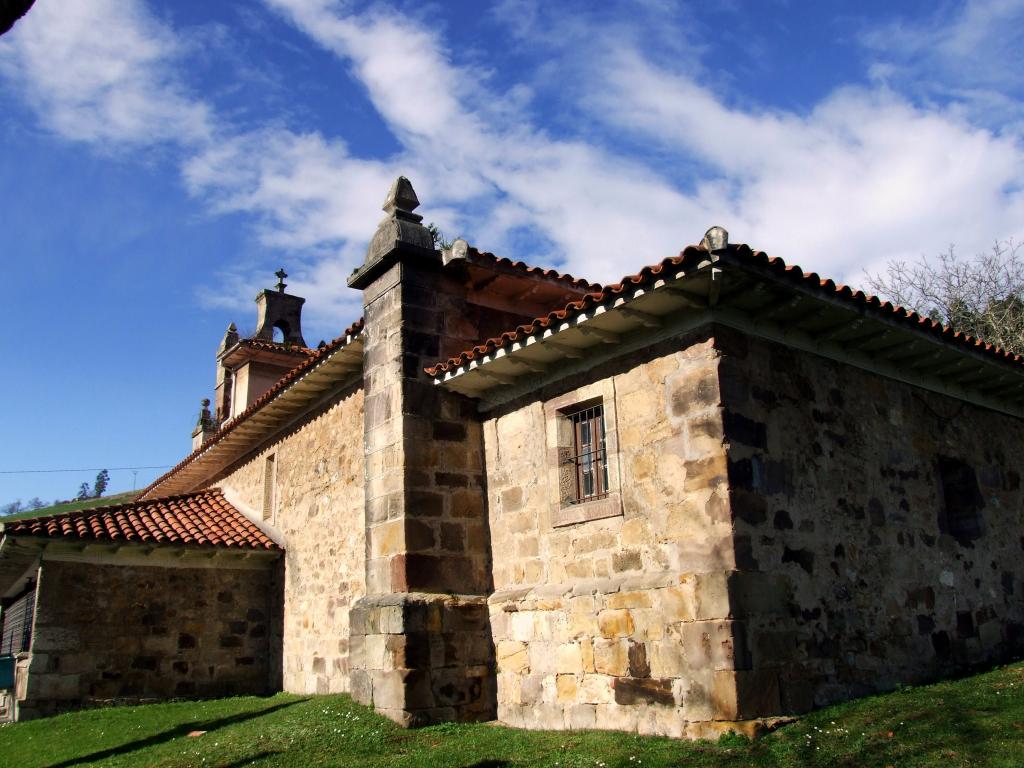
(280, 310)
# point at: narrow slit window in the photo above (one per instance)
(269, 481)
(590, 456)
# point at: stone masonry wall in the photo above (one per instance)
(127, 633)
(620, 622)
(837, 490)
(319, 514)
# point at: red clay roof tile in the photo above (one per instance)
(275, 346)
(526, 269)
(743, 254)
(204, 518)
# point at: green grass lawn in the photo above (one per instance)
(71, 506)
(976, 721)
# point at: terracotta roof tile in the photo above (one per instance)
(275, 346)
(526, 269)
(204, 518)
(285, 381)
(743, 255)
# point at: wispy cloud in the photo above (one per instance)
(103, 72)
(654, 149)
(968, 53)
(865, 176)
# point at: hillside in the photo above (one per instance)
(974, 721)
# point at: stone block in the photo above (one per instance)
(635, 599)
(581, 717)
(611, 657)
(595, 689)
(711, 595)
(587, 655)
(521, 626)
(613, 717)
(531, 689)
(569, 659)
(636, 691)
(711, 645)
(565, 688)
(615, 623)
(676, 603)
(746, 694)
(360, 686)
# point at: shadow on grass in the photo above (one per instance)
(490, 764)
(173, 733)
(251, 760)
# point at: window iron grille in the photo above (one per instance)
(590, 457)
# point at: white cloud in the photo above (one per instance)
(966, 53)
(864, 177)
(102, 71)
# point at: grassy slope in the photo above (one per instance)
(103, 501)
(977, 721)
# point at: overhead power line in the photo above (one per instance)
(83, 469)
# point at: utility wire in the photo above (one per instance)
(85, 469)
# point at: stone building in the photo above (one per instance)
(720, 491)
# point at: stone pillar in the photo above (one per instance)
(420, 641)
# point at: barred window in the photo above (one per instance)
(589, 457)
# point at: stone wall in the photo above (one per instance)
(129, 633)
(620, 621)
(843, 523)
(318, 511)
(422, 658)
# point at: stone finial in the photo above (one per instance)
(205, 417)
(715, 239)
(402, 199)
(281, 284)
(205, 426)
(401, 231)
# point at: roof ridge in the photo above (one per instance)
(743, 251)
(105, 508)
(553, 274)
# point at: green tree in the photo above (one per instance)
(102, 480)
(83, 492)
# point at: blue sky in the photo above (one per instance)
(160, 161)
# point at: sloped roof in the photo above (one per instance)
(203, 519)
(276, 346)
(288, 382)
(741, 255)
(486, 258)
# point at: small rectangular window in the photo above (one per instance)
(589, 458)
(582, 440)
(269, 490)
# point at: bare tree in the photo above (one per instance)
(982, 296)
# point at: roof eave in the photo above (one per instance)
(261, 420)
(732, 293)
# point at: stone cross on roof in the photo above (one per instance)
(281, 275)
